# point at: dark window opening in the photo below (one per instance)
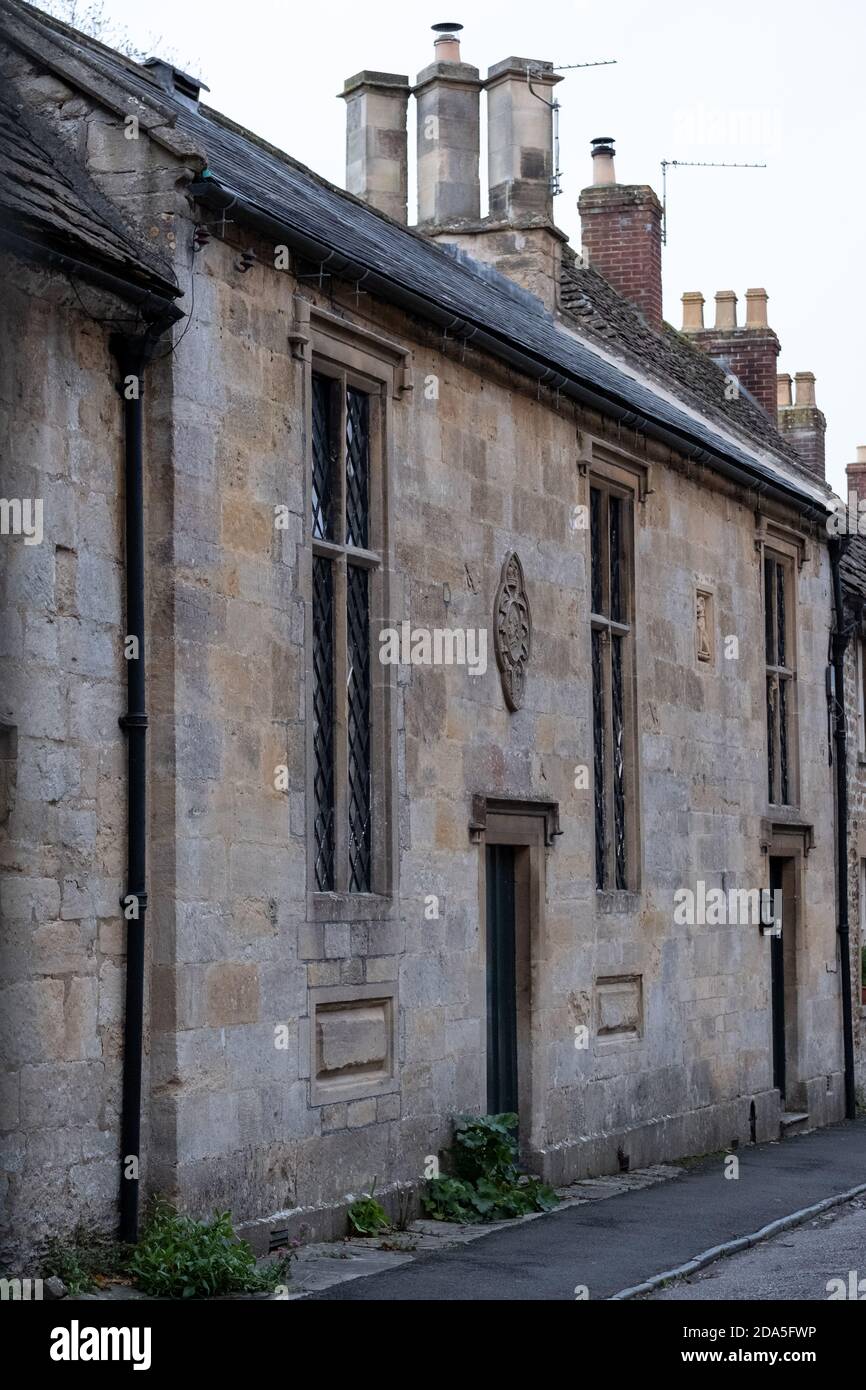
(610, 590)
(341, 664)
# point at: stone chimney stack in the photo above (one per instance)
(449, 135)
(621, 229)
(377, 165)
(856, 473)
(800, 421)
(520, 138)
(749, 353)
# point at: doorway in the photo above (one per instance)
(515, 838)
(783, 978)
(502, 1073)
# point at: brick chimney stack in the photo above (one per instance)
(621, 229)
(377, 165)
(800, 421)
(448, 93)
(856, 473)
(749, 353)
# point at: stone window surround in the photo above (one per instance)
(627, 478)
(332, 346)
(772, 543)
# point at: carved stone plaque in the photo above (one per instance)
(512, 631)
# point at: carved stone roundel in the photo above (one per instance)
(512, 630)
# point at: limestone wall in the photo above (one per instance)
(255, 985)
(62, 688)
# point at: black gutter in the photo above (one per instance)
(133, 354)
(212, 193)
(154, 304)
(840, 640)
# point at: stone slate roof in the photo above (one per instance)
(853, 567)
(49, 204)
(358, 242)
(670, 356)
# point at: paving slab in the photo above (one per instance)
(639, 1231)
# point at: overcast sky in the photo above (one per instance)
(732, 80)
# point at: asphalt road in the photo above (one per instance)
(800, 1265)
(616, 1243)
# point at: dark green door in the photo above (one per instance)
(777, 986)
(501, 982)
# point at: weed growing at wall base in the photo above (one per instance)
(487, 1184)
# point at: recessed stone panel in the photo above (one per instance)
(352, 1041)
(619, 1008)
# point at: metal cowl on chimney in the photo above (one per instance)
(621, 230)
(446, 49)
(603, 171)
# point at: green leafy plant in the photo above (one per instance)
(449, 1199)
(366, 1216)
(486, 1184)
(179, 1257)
(485, 1146)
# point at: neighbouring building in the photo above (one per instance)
(421, 671)
(853, 576)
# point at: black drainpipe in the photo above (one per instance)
(841, 636)
(133, 354)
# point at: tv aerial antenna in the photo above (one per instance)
(691, 164)
(536, 72)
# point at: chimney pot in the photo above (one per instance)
(805, 387)
(783, 389)
(603, 171)
(446, 47)
(756, 308)
(621, 227)
(726, 309)
(748, 353)
(693, 311)
(803, 423)
(856, 474)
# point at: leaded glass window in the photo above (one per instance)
(780, 679)
(610, 598)
(341, 666)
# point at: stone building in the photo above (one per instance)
(462, 673)
(852, 527)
